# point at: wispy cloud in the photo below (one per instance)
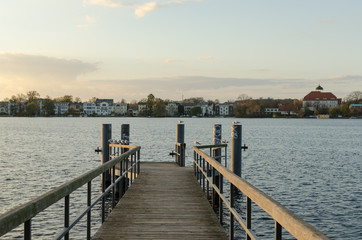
(141, 8)
(327, 21)
(88, 22)
(172, 61)
(206, 58)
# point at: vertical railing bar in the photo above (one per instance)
(27, 230)
(131, 170)
(89, 201)
(114, 187)
(207, 183)
(248, 216)
(232, 205)
(139, 161)
(66, 216)
(134, 167)
(203, 176)
(103, 199)
(126, 179)
(226, 156)
(213, 190)
(278, 231)
(120, 185)
(220, 199)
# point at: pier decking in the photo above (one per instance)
(165, 202)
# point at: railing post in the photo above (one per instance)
(180, 138)
(66, 216)
(106, 135)
(236, 149)
(125, 137)
(27, 230)
(89, 202)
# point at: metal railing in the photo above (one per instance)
(24, 213)
(283, 217)
(180, 153)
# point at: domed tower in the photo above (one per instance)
(319, 88)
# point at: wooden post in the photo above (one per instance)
(106, 136)
(236, 149)
(180, 138)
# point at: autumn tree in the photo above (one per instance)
(159, 108)
(48, 106)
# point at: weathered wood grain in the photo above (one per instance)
(165, 202)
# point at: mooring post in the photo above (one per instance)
(235, 168)
(106, 136)
(180, 144)
(236, 149)
(217, 156)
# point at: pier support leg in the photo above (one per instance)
(106, 135)
(180, 138)
(217, 156)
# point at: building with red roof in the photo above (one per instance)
(317, 99)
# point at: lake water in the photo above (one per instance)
(312, 166)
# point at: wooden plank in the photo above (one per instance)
(165, 202)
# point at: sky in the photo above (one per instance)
(174, 49)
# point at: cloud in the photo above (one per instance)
(36, 66)
(206, 58)
(141, 8)
(172, 61)
(89, 21)
(327, 21)
(20, 73)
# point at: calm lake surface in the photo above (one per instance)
(312, 166)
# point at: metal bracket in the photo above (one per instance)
(244, 147)
(173, 153)
(98, 150)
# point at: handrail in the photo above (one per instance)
(27, 211)
(283, 216)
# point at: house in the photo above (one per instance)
(5, 108)
(289, 109)
(120, 108)
(356, 108)
(89, 108)
(271, 110)
(104, 107)
(60, 108)
(76, 108)
(224, 109)
(172, 109)
(317, 99)
(207, 109)
(142, 107)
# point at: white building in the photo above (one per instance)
(104, 107)
(271, 110)
(172, 108)
(61, 108)
(207, 109)
(223, 109)
(120, 108)
(142, 107)
(89, 108)
(318, 99)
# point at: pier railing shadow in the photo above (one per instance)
(211, 175)
(127, 163)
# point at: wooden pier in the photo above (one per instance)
(164, 202)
